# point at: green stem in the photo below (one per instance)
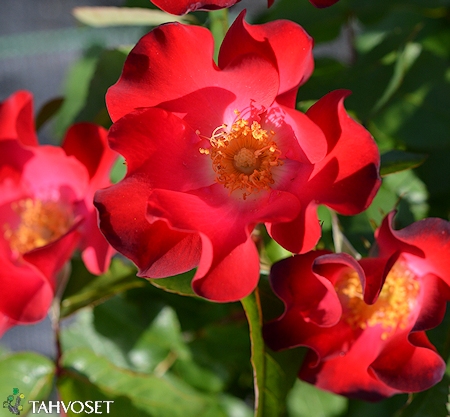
(218, 27)
(54, 313)
(252, 308)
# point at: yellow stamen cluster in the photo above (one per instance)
(393, 306)
(41, 222)
(243, 156)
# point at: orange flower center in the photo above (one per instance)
(41, 222)
(393, 306)
(243, 157)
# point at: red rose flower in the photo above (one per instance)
(212, 150)
(323, 3)
(181, 7)
(46, 208)
(365, 321)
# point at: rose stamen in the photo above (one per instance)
(41, 222)
(243, 156)
(393, 306)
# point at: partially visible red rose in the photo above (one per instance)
(46, 209)
(323, 3)
(212, 150)
(181, 7)
(365, 321)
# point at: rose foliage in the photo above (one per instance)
(46, 208)
(365, 320)
(213, 150)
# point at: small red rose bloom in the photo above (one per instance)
(365, 321)
(46, 208)
(212, 150)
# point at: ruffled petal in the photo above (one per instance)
(310, 138)
(142, 137)
(17, 119)
(376, 271)
(88, 143)
(232, 278)
(13, 158)
(295, 236)
(348, 178)
(434, 295)
(291, 330)
(428, 241)
(312, 307)
(27, 295)
(347, 374)
(409, 365)
(172, 68)
(51, 174)
(49, 259)
(281, 42)
(157, 250)
(96, 252)
(222, 222)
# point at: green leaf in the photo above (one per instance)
(31, 373)
(47, 111)
(321, 24)
(178, 284)
(87, 376)
(386, 408)
(76, 89)
(430, 403)
(253, 312)
(107, 70)
(405, 59)
(146, 343)
(143, 342)
(84, 289)
(274, 373)
(307, 400)
(281, 374)
(396, 161)
(410, 190)
(224, 347)
(124, 16)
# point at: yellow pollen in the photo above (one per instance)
(393, 306)
(41, 222)
(243, 156)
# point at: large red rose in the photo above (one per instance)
(212, 150)
(365, 321)
(46, 208)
